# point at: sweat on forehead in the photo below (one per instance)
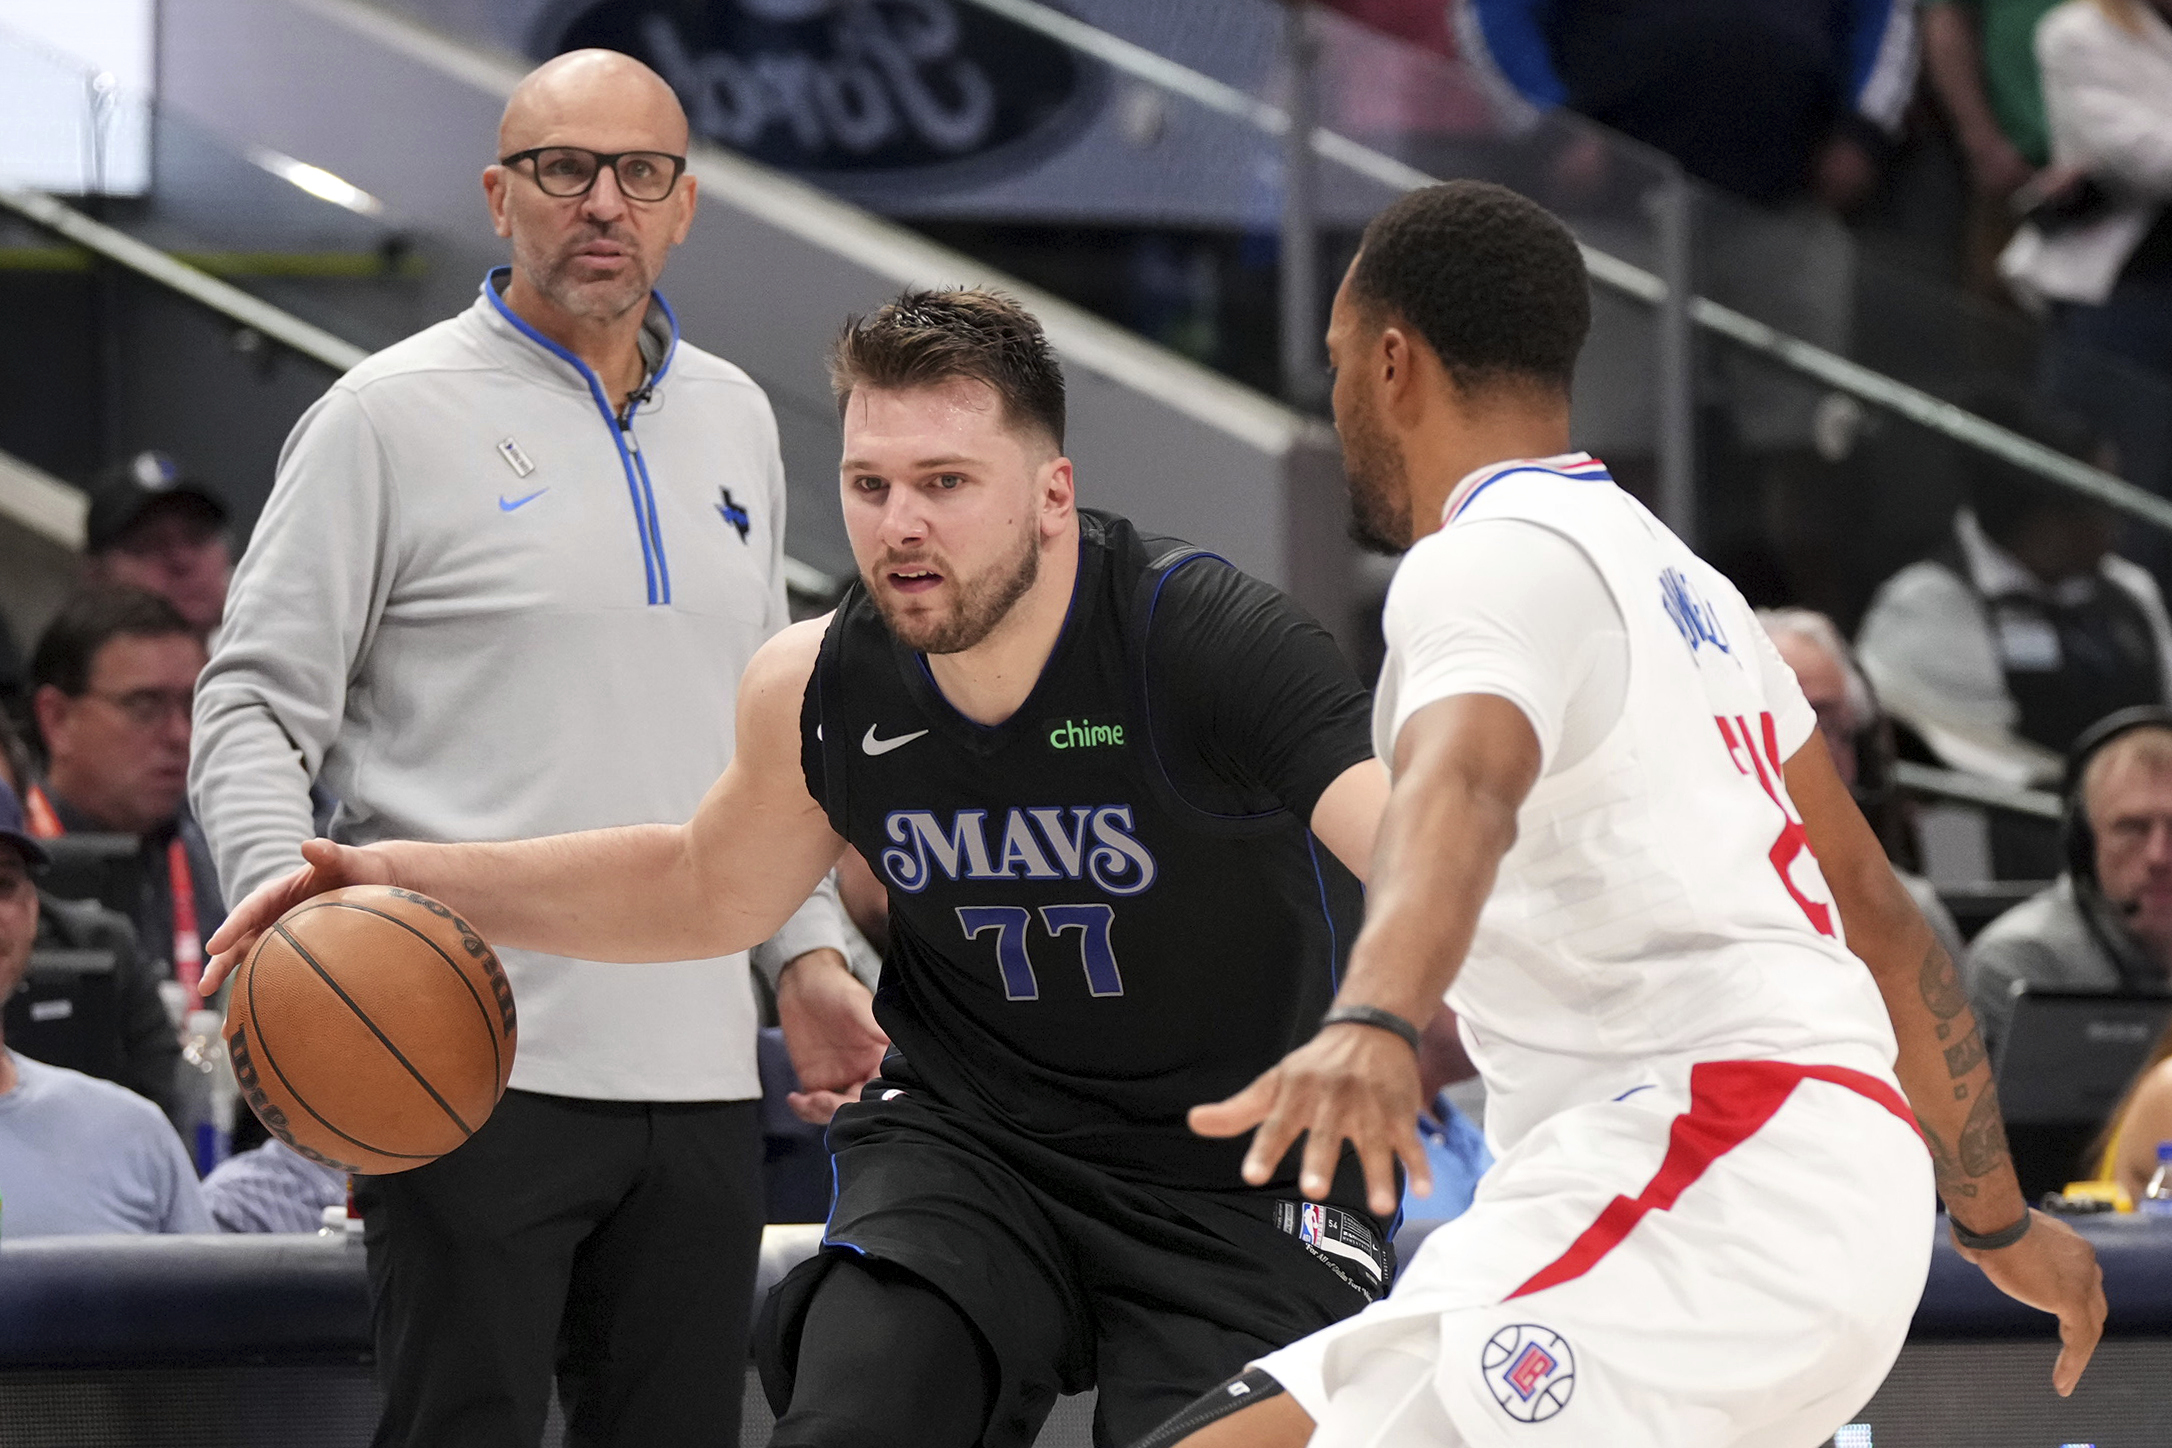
(601, 99)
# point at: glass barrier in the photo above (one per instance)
(297, 237)
(1807, 493)
(68, 127)
(1127, 155)
(1124, 154)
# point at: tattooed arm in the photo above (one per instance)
(1944, 1068)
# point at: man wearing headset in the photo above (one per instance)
(2106, 923)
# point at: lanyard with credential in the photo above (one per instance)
(188, 941)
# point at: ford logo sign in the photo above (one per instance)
(852, 89)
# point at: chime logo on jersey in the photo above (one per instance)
(1691, 613)
(1530, 1371)
(1039, 842)
(1083, 734)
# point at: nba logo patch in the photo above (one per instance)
(1311, 1222)
(1529, 1370)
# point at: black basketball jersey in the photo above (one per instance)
(1101, 914)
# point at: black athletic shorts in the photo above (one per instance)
(1073, 1277)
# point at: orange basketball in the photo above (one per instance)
(371, 1029)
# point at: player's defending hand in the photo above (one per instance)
(328, 866)
(830, 1031)
(1349, 1082)
(2053, 1270)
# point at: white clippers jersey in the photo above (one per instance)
(1661, 901)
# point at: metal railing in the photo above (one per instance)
(1952, 784)
(1793, 353)
(227, 300)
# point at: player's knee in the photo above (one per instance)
(1195, 1425)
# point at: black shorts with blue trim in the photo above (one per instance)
(1073, 1277)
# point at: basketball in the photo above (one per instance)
(371, 1029)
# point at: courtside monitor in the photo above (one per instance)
(2066, 1061)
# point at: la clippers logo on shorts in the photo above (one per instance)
(1530, 1370)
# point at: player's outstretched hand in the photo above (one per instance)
(329, 867)
(830, 1031)
(1349, 1083)
(2053, 1270)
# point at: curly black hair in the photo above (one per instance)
(928, 337)
(1492, 280)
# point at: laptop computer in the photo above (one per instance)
(2065, 1062)
(67, 1011)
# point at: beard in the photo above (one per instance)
(601, 300)
(1376, 472)
(983, 602)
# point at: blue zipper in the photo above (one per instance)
(636, 469)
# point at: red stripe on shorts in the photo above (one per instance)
(1728, 1102)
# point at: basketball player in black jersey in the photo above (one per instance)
(1117, 790)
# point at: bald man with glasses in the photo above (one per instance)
(505, 585)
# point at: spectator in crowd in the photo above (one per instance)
(77, 1154)
(115, 678)
(2099, 250)
(143, 1054)
(1981, 58)
(2024, 626)
(1860, 740)
(154, 526)
(1764, 98)
(272, 1188)
(1790, 108)
(2126, 1151)
(2106, 923)
(463, 655)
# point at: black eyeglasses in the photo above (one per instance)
(572, 170)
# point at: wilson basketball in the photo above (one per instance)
(371, 1029)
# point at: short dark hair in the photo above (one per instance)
(1492, 281)
(2005, 495)
(91, 620)
(929, 337)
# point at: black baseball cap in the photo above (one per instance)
(13, 833)
(149, 482)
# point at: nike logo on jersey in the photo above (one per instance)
(507, 505)
(872, 747)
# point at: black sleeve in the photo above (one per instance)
(1254, 708)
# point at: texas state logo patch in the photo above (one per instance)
(1529, 1370)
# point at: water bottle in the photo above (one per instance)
(207, 1096)
(2157, 1196)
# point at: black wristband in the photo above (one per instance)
(1375, 1017)
(1991, 1241)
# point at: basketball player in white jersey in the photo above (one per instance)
(1617, 843)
